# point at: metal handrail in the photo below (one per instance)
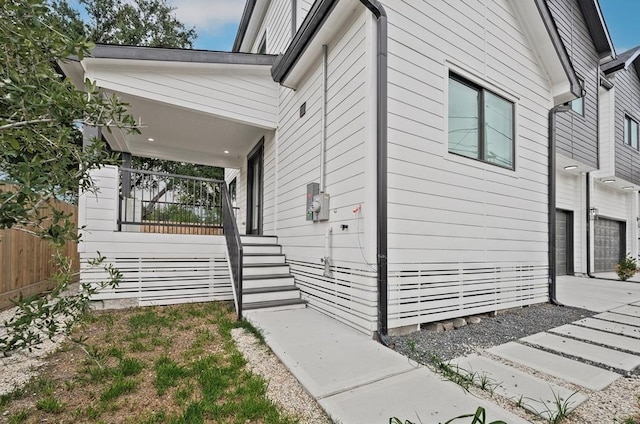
(234, 248)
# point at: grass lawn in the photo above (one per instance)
(172, 364)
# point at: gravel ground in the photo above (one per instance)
(492, 331)
(282, 387)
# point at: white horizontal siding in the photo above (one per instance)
(244, 96)
(476, 228)
(606, 132)
(156, 268)
(571, 196)
(277, 27)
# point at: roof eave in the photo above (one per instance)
(597, 27)
(244, 24)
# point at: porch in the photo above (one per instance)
(176, 238)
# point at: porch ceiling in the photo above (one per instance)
(184, 135)
(193, 105)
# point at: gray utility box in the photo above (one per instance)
(317, 203)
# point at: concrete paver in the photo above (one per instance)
(598, 354)
(418, 396)
(533, 393)
(630, 310)
(612, 327)
(596, 294)
(621, 318)
(584, 375)
(614, 340)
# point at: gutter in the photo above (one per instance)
(281, 69)
(244, 24)
(552, 202)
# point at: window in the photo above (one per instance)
(232, 192)
(577, 105)
(630, 132)
(480, 123)
(262, 47)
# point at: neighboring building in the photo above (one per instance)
(427, 126)
(578, 145)
(615, 186)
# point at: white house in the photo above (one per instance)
(423, 124)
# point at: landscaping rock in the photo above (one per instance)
(474, 320)
(459, 322)
(434, 326)
(448, 325)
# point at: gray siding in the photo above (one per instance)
(627, 101)
(577, 136)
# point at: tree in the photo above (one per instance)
(136, 23)
(40, 113)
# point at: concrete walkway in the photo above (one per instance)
(357, 380)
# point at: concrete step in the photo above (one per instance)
(272, 280)
(598, 354)
(250, 239)
(270, 294)
(602, 337)
(275, 305)
(248, 248)
(631, 310)
(532, 393)
(611, 327)
(584, 375)
(619, 318)
(264, 269)
(262, 258)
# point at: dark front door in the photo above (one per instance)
(609, 244)
(564, 242)
(254, 189)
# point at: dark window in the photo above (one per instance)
(480, 123)
(232, 192)
(630, 132)
(262, 48)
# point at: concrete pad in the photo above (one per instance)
(596, 294)
(631, 310)
(419, 396)
(597, 336)
(533, 393)
(611, 327)
(620, 318)
(326, 356)
(584, 375)
(588, 351)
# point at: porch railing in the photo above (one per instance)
(156, 202)
(234, 248)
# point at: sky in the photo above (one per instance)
(216, 21)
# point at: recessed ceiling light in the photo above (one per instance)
(150, 139)
(627, 188)
(226, 151)
(569, 167)
(609, 181)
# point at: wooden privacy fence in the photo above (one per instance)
(26, 261)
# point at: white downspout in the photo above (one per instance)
(323, 121)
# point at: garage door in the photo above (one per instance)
(564, 252)
(609, 244)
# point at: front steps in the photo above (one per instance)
(267, 282)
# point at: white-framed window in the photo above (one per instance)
(577, 105)
(631, 132)
(481, 123)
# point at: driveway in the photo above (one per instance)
(597, 294)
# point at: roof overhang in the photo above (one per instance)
(597, 28)
(623, 61)
(542, 32)
(193, 105)
(250, 23)
(319, 27)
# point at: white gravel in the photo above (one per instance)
(283, 388)
(21, 366)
